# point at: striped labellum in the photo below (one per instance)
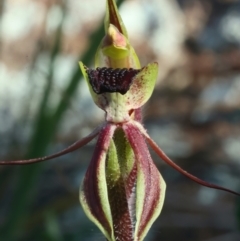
(122, 191)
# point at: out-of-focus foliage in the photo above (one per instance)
(194, 113)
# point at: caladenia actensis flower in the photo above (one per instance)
(122, 192)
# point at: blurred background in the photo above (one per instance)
(194, 113)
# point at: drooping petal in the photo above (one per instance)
(165, 158)
(150, 186)
(93, 192)
(73, 147)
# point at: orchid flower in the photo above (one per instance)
(122, 191)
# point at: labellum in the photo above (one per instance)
(122, 192)
(103, 80)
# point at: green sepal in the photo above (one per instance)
(157, 209)
(94, 191)
(115, 51)
(113, 17)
